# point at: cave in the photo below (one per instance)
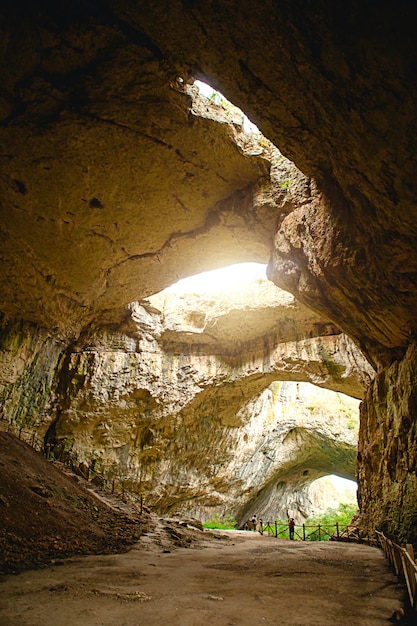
(119, 178)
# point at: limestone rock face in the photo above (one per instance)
(387, 451)
(217, 316)
(328, 492)
(114, 172)
(315, 259)
(182, 419)
(191, 443)
(180, 404)
(28, 362)
(296, 433)
(103, 191)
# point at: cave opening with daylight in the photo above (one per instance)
(218, 99)
(292, 433)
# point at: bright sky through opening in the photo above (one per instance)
(209, 92)
(338, 491)
(343, 483)
(224, 279)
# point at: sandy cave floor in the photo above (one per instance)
(220, 579)
(70, 555)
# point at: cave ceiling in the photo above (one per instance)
(103, 194)
(112, 187)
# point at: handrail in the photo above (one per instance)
(320, 532)
(403, 561)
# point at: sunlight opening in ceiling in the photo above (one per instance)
(217, 98)
(224, 279)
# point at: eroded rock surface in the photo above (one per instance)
(179, 404)
(108, 196)
(387, 450)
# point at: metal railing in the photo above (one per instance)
(317, 532)
(403, 561)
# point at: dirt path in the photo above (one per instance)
(221, 580)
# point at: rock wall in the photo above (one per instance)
(111, 197)
(387, 451)
(331, 86)
(222, 449)
(182, 421)
(29, 358)
(180, 408)
(296, 434)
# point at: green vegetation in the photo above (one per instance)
(284, 185)
(342, 516)
(225, 522)
(220, 101)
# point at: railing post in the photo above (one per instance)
(319, 532)
(410, 550)
(337, 529)
(304, 532)
(276, 529)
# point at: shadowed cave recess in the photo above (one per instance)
(119, 178)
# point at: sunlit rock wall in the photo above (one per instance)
(178, 425)
(302, 433)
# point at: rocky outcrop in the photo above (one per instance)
(182, 407)
(318, 262)
(213, 318)
(227, 450)
(296, 433)
(118, 179)
(109, 200)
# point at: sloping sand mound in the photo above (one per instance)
(47, 514)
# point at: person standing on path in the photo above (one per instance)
(291, 525)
